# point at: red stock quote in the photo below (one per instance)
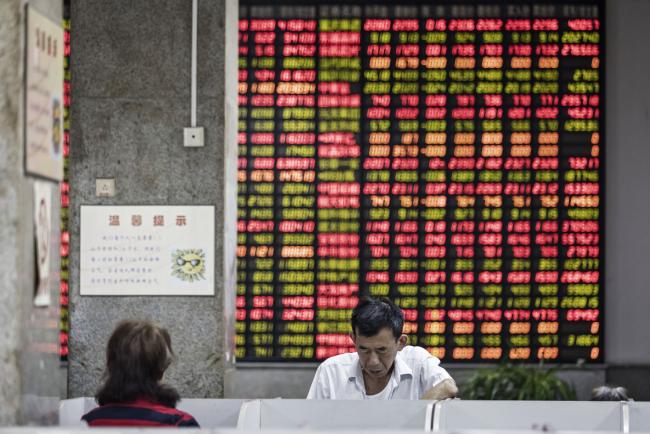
(447, 157)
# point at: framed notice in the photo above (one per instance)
(43, 97)
(42, 241)
(147, 250)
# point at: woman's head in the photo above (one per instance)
(139, 349)
(137, 355)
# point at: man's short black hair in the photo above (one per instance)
(373, 314)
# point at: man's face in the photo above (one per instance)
(377, 353)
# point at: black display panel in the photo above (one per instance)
(447, 156)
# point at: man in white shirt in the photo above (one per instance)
(383, 367)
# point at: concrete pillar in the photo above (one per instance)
(10, 91)
(131, 101)
(31, 378)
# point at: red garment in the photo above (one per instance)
(140, 413)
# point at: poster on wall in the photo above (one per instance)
(147, 250)
(43, 97)
(42, 237)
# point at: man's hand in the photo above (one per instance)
(443, 390)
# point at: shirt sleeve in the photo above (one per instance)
(319, 389)
(431, 372)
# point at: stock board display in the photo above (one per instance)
(446, 156)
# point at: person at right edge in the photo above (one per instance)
(383, 366)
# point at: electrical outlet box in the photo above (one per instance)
(193, 137)
(105, 187)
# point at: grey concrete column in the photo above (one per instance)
(10, 91)
(627, 208)
(31, 378)
(130, 103)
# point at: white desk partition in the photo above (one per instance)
(209, 413)
(442, 416)
(279, 414)
(122, 430)
(639, 416)
(526, 415)
(71, 410)
(213, 413)
(249, 416)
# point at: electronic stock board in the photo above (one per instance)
(447, 155)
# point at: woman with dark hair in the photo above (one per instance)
(137, 356)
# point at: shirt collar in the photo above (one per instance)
(354, 372)
(401, 369)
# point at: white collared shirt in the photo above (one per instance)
(415, 372)
(384, 394)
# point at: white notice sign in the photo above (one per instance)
(147, 250)
(43, 234)
(44, 96)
